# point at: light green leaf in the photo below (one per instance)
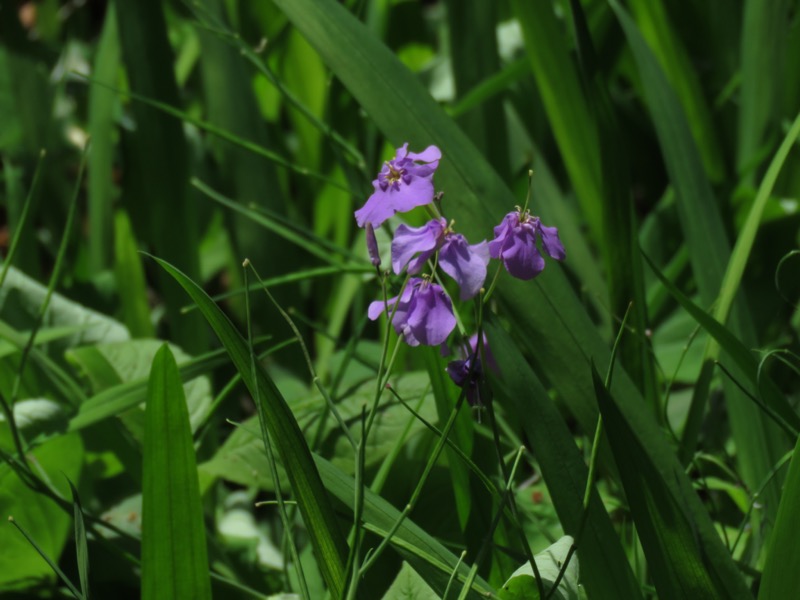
(549, 562)
(408, 585)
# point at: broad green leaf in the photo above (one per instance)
(174, 556)
(407, 585)
(108, 366)
(605, 568)
(684, 552)
(81, 547)
(550, 562)
(241, 457)
(45, 521)
(781, 575)
(313, 501)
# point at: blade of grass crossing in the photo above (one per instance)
(174, 556)
(81, 547)
(678, 553)
(623, 261)
(781, 576)
(323, 528)
(709, 254)
(604, 567)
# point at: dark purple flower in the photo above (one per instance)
(468, 377)
(424, 313)
(403, 183)
(464, 263)
(515, 242)
(372, 246)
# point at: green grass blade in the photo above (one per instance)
(747, 235)
(623, 261)
(102, 105)
(781, 576)
(426, 554)
(684, 552)
(174, 555)
(155, 189)
(764, 42)
(81, 547)
(19, 225)
(760, 444)
(663, 39)
(323, 528)
(604, 567)
(738, 352)
(490, 87)
(47, 559)
(567, 110)
(130, 279)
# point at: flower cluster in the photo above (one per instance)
(423, 312)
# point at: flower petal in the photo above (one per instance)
(464, 263)
(501, 232)
(520, 255)
(431, 319)
(430, 155)
(552, 243)
(377, 208)
(408, 241)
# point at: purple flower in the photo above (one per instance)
(470, 378)
(463, 262)
(515, 242)
(372, 246)
(424, 313)
(404, 182)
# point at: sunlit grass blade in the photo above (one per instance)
(174, 555)
(81, 546)
(684, 552)
(747, 235)
(781, 575)
(604, 567)
(102, 107)
(323, 528)
(738, 352)
(130, 278)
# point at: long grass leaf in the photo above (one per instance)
(684, 552)
(81, 546)
(174, 556)
(323, 528)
